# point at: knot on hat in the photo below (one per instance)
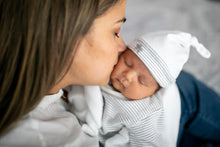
(187, 40)
(165, 52)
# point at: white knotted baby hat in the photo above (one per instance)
(165, 52)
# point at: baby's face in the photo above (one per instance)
(132, 78)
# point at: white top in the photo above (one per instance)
(51, 125)
(48, 125)
(152, 121)
(87, 105)
(142, 119)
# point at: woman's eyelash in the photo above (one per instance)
(117, 35)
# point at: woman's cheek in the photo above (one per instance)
(103, 73)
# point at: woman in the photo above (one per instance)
(46, 46)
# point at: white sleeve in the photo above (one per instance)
(87, 104)
(48, 125)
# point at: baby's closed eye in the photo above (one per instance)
(142, 80)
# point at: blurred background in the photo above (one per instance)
(201, 18)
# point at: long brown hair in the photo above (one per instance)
(38, 38)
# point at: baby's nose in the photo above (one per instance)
(130, 75)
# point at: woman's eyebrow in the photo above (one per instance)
(121, 20)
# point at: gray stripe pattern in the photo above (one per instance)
(153, 62)
(142, 118)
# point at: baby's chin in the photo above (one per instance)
(116, 85)
(132, 97)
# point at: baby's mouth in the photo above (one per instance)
(124, 83)
(120, 83)
(117, 85)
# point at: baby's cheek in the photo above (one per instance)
(115, 72)
(133, 93)
(129, 94)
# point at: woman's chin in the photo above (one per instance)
(104, 83)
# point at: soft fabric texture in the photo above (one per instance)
(152, 121)
(48, 125)
(165, 52)
(86, 102)
(200, 122)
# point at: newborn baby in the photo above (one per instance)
(132, 78)
(142, 105)
(133, 113)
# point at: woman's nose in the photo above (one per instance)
(121, 46)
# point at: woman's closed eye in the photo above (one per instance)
(118, 30)
(117, 35)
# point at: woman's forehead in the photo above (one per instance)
(115, 14)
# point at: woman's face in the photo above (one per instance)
(97, 53)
